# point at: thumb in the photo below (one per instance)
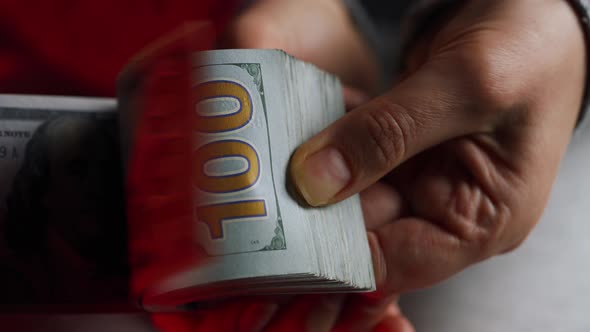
(428, 108)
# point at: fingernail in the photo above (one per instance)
(321, 176)
(378, 260)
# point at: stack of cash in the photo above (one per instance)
(252, 109)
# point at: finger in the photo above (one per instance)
(177, 322)
(354, 98)
(256, 316)
(327, 27)
(381, 204)
(363, 313)
(428, 108)
(236, 316)
(413, 253)
(394, 321)
(314, 313)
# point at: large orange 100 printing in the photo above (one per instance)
(223, 149)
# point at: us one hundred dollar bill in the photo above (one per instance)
(248, 111)
(62, 211)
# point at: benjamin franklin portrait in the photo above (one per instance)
(65, 223)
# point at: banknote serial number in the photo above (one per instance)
(233, 148)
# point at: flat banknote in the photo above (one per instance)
(62, 216)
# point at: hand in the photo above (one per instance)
(318, 313)
(456, 161)
(317, 31)
(310, 30)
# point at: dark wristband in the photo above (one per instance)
(582, 8)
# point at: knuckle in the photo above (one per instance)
(515, 215)
(491, 77)
(502, 233)
(515, 245)
(492, 226)
(412, 269)
(517, 237)
(479, 222)
(388, 129)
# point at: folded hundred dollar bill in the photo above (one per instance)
(206, 150)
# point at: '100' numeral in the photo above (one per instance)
(225, 149)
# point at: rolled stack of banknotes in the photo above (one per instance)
(230, 225)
